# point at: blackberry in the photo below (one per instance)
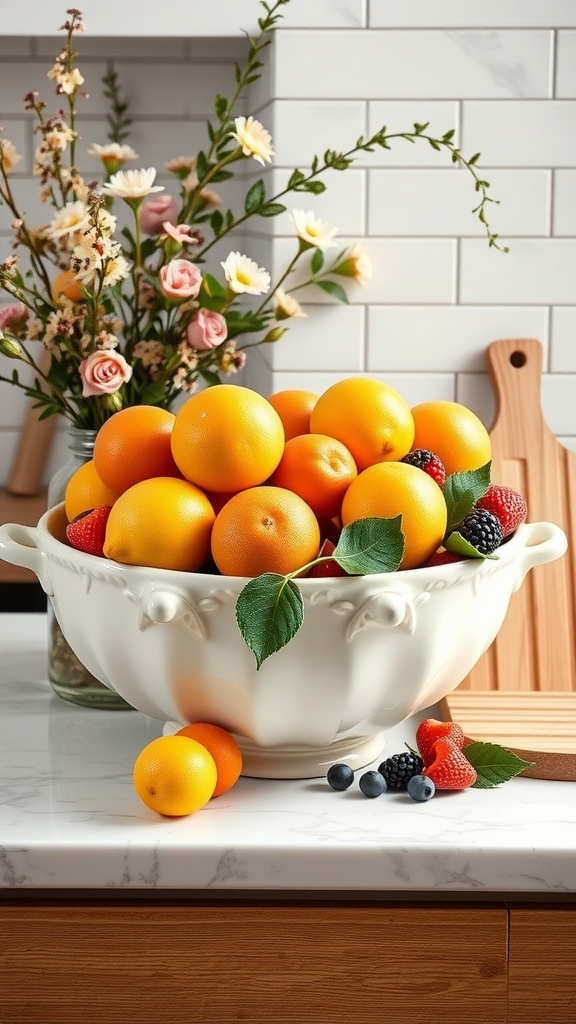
(482, 530)
(424, 459)
(399, 768)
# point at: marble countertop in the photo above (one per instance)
(70, 819)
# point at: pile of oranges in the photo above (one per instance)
(242, 485)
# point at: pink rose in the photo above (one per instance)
(180, 279)
(103, 373)
(207, 330)
(14, 318)
(155, 211)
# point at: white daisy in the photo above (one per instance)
(112, 152)
(71, 218)
(132, 184)
(244, 275)
(286, 306)
(312, 230)
(253, 138)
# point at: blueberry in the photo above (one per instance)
(340, 776)
(372, 784)
(420, 787)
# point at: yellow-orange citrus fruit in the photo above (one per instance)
(224, 749)
(318, 468)
(227, 438)
(264, 529)
(85, 490)
(66, 285)
(163, 522)
(175, 775)
(294, 407)
(134, 445)
(371, 418)
(454, 433)
(390, 489)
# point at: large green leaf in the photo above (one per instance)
(370, 545)
(494, 764)
(461, 492)
(269, 612)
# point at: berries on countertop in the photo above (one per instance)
(450, 769)
(88, 530)
(426, 460)
(482, 530)
(431, 730)
(340, 776)
(421, 788)
(398, 768)
(372, 784)
(507, 505)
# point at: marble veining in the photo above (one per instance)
(69, 816)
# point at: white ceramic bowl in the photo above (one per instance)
(372, 649)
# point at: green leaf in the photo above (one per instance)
(211, 378)
(201, 165)
(211, 285)
(220, 106)
(269, 612)
(333, 289)
(271, 210)
(460, 546)
(494, 764)
(255, 196)
(295, 178)
(216, 221)
(461, 492)
(317, 261)
(316, 187)
(370, 545)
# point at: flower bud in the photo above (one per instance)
(275, 334)
(112, 402)
(11, 348)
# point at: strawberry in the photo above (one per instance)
(88, 530)
(442, 557)
(431, 730)
(507, 505)
(450, 769)
(428, 462)
(329, 568)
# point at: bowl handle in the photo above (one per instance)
(543, 542)
(19, 546)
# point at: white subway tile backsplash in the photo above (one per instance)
(301, 129)
(343, 204)
(446, 338)
(566, 65)
(534, 271)
(563, 340)
(177, 89)
(432, 202)
(564, 203)
(474, 390)
(330, 339)
(15, 46)
(558, 405)
(405, 65)
(18, 77)
(410, 270)
(521, 134)
(456, 14)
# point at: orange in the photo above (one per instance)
(264, 529)
(85, 490)
(294, 407)
(395, 488)
(371, 418)
(224, 749)
(454, 433)
(175, 775)
(66, 285)
(163, 522)
(227, 438)
(318, 468)
(133, 445)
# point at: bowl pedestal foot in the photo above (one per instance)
(302, 762)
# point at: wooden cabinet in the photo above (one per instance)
(268, 962)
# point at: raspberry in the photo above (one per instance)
(507, 505)
(431, 730)
(450, 769)
(399, 768)
(482, 530)
(427, 461)
(88, 530)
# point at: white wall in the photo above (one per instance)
(503, 74)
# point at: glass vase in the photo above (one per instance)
(69, 678)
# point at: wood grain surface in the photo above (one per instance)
(536, 648)
(259, 963)
(542, 968)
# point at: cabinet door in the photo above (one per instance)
(222, 962)
(542, 966)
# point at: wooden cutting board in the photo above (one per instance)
(534, 653)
